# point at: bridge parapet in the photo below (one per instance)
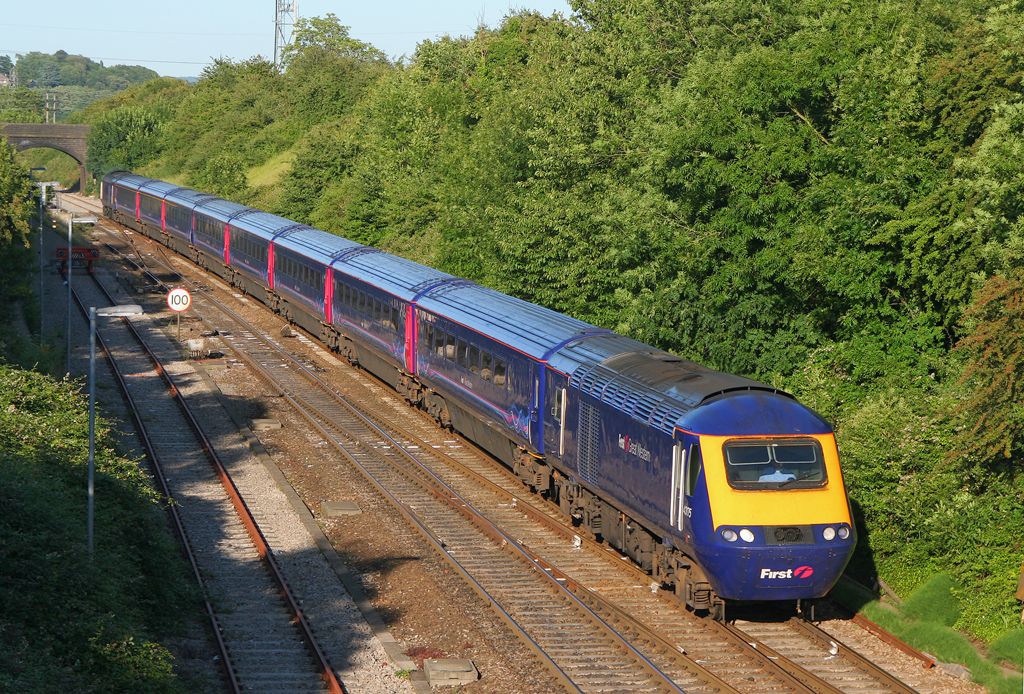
(70, 139)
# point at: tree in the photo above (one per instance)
(123, 139)
(6, 65)
(15, 205)
(994, 373)
(329, 35)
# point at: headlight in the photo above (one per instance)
(747, 535)
(829, 533)
(729, 535)
(844, 533)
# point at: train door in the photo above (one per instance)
(556, 406)
(686, 464)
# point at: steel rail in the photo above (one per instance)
(451, 498)
(334, 685)
(172, 510)
(816, 633)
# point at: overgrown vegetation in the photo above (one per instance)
(75, 80)
(824, 196)
(925, 619)
(70, 623)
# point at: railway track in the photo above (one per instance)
(264, 640)
(786, 657)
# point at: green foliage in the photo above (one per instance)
(21, 105)
(43, 70)
(134, 588)
(934, 601)
(993, 410)
(327, 35)
(222, 174)
(944, 644)
(15, 203)
(122, 140)
(1010, 648)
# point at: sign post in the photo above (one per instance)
(179, 300)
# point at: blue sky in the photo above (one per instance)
(179, 37)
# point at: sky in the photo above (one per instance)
(179, 37)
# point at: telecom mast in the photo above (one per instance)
(284, 19)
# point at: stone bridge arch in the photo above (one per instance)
(70, 139)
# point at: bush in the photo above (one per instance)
(71, 622)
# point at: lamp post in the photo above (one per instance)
(120, 310)
(71, 222)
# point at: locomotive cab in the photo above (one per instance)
(773, 521)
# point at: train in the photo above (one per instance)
(722, 488)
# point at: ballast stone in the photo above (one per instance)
(445, 672)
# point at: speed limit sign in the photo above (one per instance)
(178, 299)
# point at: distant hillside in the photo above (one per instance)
(63, 69)
(76, 81)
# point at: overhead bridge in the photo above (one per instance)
(70, 139)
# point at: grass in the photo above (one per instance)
(1009, 648)
(270, 172)
(923, 622)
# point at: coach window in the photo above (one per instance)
(499, 373)
(485, 369)
(474, 359)
(460, 357)
(449, 348)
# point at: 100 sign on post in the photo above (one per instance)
(178, 300)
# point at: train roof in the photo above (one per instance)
(533, 330)
(319, 246)
(668, 391)
(157, 188)
(186, 197)
(264, 224)
(127, 179)
(398, 276)
(220, 209)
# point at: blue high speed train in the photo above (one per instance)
(723, 487)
